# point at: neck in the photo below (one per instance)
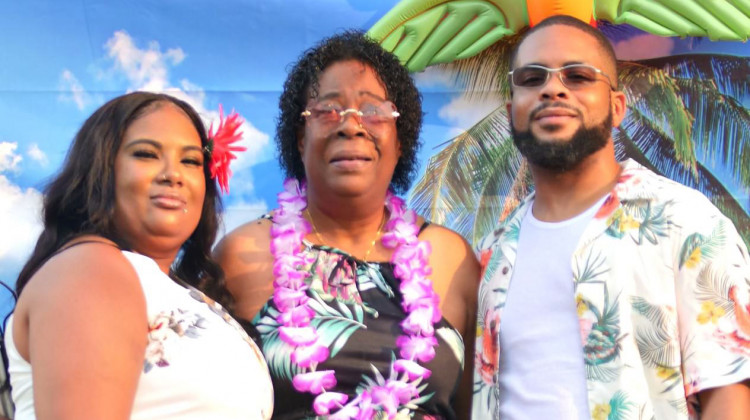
(350, 224)
(562, 195)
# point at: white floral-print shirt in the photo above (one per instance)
(662, 287)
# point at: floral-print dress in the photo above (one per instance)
(358, 311)
(662, 290)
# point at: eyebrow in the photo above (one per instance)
(567, 63)
(158, 145)
(337, 94)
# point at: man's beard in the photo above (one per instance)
(562, 156)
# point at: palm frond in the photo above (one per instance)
(494, 184)
(656, 347)
(485, 74)
(446, 193)
(711, 287)
(620, 406)
(653, 93)
(655, 314)
(721, 130)
(644, 140)
(731, 74)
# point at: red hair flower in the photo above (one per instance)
(221, 148)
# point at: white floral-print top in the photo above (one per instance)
(199, 362)
(662, 287)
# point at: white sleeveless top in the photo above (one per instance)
(199, 363)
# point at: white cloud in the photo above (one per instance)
(20, 215)
(36, 154)
(432, 77)
(464, 113)
(644, 46)
(20, 221)
(71, 90)
(9, 160)
(148, 69)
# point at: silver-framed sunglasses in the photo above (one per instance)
(572, 76)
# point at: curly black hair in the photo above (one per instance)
(302, 83)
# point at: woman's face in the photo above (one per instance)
(159, 180)
(348, 156)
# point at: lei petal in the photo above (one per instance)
(326, 401)
(305, 356)
(412, 369)
(315, 382)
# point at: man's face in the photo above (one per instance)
(557, 126)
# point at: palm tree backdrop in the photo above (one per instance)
(686, 119)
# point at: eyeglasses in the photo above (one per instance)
(573, 76)
(371, 116)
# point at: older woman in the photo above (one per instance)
(108, 325)
(364, 308)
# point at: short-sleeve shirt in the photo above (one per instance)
(662, 289)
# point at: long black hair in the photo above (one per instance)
(80, 199)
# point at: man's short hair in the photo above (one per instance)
(605, 45)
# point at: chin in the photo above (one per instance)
(349, 186)
(554, 136)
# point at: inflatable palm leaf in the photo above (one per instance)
(426, 32)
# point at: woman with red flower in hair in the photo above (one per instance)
(117, 314)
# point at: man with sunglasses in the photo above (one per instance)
(609, 292)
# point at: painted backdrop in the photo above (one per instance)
(61, 59)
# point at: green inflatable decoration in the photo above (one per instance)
(426, 32)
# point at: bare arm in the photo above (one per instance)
(81, 322)
(245, 256)
(731, 402)
(455, 275)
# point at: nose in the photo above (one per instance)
(171, 172)
(351, 127)
(554, 87)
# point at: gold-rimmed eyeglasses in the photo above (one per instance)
(371, 116)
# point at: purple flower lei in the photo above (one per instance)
(420, 302)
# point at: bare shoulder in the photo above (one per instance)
(251, 235)
(86, 290)
(447, 243)
(452, 259)
(245, 256)
(434, 230)
(97, 268)
(455, 275)
(82, 310)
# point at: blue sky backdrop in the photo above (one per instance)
(61, 59)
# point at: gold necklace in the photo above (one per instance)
(372, 244)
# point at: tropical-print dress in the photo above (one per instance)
(358, 311)
(662, 289)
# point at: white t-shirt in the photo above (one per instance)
(543, 373)
(199, 363)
